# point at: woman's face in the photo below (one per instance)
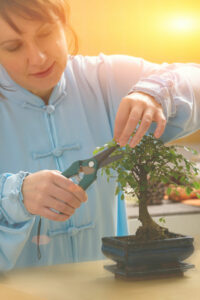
(36, 57)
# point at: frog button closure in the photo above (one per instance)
(57, 152)
(50, 109)
(72, 231)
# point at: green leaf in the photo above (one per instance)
(97, 150)
(169, 191)
(176, 192)
(196, 185)
(162, 220)
(165, 180)
(190, 150)
(122, 196)
(107, 171)
(172, 152)
(188, 190)
(111, 143)
(117, 190)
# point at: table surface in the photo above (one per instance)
(89, 280)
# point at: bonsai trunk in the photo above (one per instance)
(149, 229)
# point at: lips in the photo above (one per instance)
(43, 73)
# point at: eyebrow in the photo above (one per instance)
(16, 40)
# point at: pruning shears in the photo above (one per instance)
(89, 167)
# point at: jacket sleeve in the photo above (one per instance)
(15, 221)
(174, 86)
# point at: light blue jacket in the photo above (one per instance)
(79, 117)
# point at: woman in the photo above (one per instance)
(55, 109)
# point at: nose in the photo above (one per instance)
(35, 55)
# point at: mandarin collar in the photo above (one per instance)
(14, 92)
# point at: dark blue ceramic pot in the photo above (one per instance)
(140, 260)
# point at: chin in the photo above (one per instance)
(47, 84)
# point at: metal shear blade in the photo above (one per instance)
(90, 166)
(104, 157)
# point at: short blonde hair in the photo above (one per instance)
(43, 10)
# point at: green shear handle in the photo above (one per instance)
(90, 166)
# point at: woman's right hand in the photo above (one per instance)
(46, 190)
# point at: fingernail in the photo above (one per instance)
(133, 144)
(123, 142)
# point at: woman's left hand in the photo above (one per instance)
(132, 109)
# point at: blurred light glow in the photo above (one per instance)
(182, 24)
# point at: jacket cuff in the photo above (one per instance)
(160, 91)
(11, 205)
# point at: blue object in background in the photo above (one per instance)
(122, 227)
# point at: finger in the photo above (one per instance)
(51, 215)
(60, 207)
(132, 121)
(144, 126)
(70, 187)
(161, 124)
(64, 196)
(121, 118)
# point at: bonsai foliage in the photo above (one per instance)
(150, 161)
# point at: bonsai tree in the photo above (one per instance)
(150, 161)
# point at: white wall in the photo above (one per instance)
(188, 224)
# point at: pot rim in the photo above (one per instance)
(122, 239)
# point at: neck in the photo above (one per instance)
(43, 95)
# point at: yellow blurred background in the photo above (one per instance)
(156, 30)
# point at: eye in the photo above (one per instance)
(44, 34)
(47, 30)
(13, 48)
